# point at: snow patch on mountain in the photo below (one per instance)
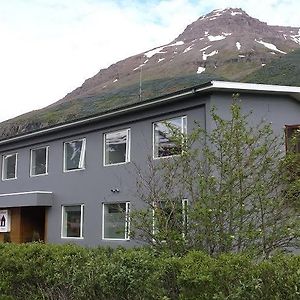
(200, 70)
(179, 43)
(216, 37)
(238, 45)
(188, 49)
(270, 46)
(141, 65)
(205, 56)
(296, 38)
(152, 52)
(203, 49)
(234, 13)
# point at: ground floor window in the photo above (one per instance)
(170, 216)
(115, 221)
(72, 221)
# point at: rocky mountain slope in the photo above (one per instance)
(225, 44)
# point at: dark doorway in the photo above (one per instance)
(32, 224)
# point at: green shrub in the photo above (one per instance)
(61, 272)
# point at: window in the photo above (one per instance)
(74, 155)
(72, 221)
(292, 135)
(9, 166)
(170, 217)
(164, 144)
(39, 161)
(117, 147)
(115, 221)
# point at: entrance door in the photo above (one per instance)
(32, 224)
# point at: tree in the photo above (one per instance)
(230, 190)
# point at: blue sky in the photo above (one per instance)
(49, 47)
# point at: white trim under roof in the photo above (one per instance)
(25, 193)
(282, 89)
(211, 86)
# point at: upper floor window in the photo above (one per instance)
(115, 221)
(117, 147)
(74, 155)
(39, 161)
(9, 166)
(293, 138)
(165, 136)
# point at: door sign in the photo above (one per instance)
(4, 221)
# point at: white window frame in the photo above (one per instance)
(127, 222)
(47, 161)
(183, 131)
(82, 158)
(128, 150)
(185, 220)
(81, 222)
(16, 166)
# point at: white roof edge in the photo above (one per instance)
(25, 193)
(230, 85)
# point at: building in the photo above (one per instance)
(74, 182)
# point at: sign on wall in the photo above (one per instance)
(4, 221)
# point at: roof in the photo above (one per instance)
(211, 86)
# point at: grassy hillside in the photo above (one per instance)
(83, 107)
(282, 71)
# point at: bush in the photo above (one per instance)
(60, 272)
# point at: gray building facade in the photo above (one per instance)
(75, 182)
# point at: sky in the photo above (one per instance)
(49, 47)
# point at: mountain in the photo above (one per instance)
(285, 71)
(224, 44)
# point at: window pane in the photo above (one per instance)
(9, 166)
(164, 141)
(114, 220)
(293, 139)
(74, 155)
(170, 216)
(72, 221)
(115, 147)
(185, 204)
(39, 161)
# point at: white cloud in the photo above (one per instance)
(49, 47)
